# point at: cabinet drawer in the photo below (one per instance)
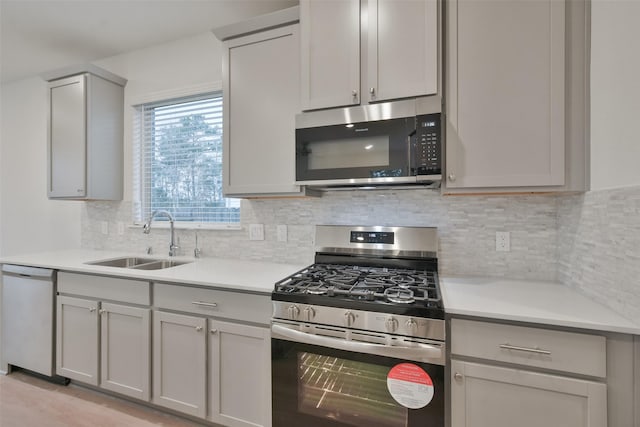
(213, 302)
(110, 288)
(558, 350)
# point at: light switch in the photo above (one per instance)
(256, 231)
(282, 233)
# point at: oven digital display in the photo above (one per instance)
(373, 237)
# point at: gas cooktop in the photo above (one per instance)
(384, 289)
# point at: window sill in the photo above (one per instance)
(191, 226)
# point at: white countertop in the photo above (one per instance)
(546, 303)
(238, 275)
(539, 302)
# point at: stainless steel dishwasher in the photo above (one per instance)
(28, 318)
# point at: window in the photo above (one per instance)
(179, 160)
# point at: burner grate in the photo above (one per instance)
(392, 285)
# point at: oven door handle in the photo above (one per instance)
(417, 351)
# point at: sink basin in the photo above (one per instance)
(157, 265)
(138, 263)
(128, 262)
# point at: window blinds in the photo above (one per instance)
(179, 160)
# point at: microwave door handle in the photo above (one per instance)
(417, 351)
(410, 169)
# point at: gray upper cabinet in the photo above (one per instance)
(330, 53)
(398, 40)
(261, 75)
(516, 78)
(85, 137)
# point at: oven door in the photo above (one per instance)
(319, 386)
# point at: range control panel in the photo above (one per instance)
(428, 155)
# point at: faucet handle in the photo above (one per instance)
(173, 250)
(196, 251)
(149, 250)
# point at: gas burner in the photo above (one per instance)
(316, 289)
(399, 295)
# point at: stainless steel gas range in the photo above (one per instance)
(358, 338)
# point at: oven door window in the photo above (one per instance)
(317, 386)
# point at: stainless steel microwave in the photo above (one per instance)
(388, 144)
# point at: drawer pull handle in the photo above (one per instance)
(205, 304)
(527, 349)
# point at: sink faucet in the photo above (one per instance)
(146, 229)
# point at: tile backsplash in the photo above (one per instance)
(588, 241)
(466, 226)
(599, 246)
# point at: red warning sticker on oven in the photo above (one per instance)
(410, 385)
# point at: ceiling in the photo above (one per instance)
(37, 36)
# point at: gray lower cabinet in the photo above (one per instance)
(179, 362)
(119, 333)
(504, 375)
(77, 339)
(125, 337)
(212, 354)
(239, 374)
(100, 343)
(483, 395)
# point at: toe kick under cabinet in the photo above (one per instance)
(504, 375)
(212, 354)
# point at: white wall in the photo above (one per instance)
(615, 94)
(29, 221)
(174, 69)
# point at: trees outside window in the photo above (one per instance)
(180, 161)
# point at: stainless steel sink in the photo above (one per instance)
(157, 265)
(138, 263)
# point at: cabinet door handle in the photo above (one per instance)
(213, 331)
(198, 328)
(92, 309)
(354, 93)
(372, 91)
(525, 349)
(452, 177)
(205, 304)
(457, 376)
(102, 311)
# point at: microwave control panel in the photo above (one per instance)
(428, 150)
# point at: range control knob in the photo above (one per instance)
(349, 319)
(293, 311)
(411, 325)
(391, 324)
(308, 314)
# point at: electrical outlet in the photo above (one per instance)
(104, 226)
(282, 233)
(120, 228)
(503, 241)
(256, 231)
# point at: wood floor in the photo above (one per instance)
(26, 401)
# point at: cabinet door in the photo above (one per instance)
(77, 339)
(262, 90)
(506, 93)
(489, 396)
(179, 363)
(239, 374)
(402, 49)
(330, 53)
(126, 340)
(67, 137)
